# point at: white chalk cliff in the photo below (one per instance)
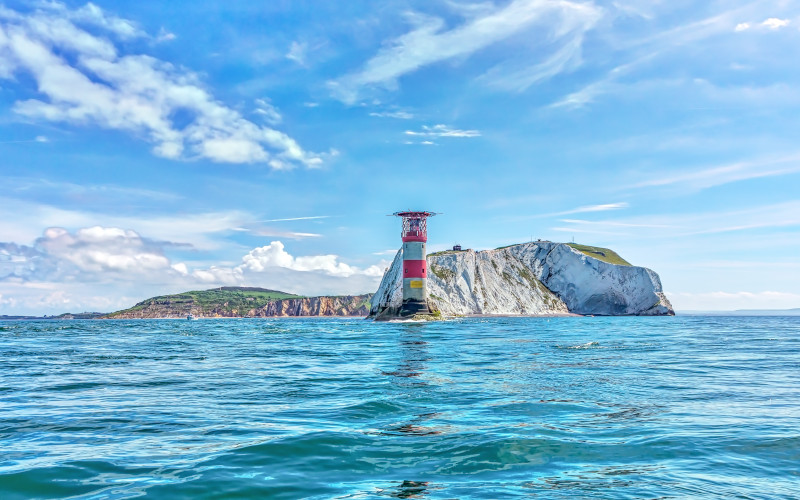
(528, 279)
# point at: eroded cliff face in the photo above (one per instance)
(347, 305)
(539, 278)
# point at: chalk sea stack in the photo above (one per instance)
(537, 278)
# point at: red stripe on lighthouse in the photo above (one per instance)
(414, 269)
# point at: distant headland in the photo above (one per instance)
(244, 302)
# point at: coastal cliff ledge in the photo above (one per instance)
(541, 278)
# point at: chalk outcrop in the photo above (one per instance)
(539, 278)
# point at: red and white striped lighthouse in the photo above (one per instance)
(415, 267)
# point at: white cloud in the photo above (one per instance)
(83, 81)
(275, 255)
(774, 23)
(66, 268)
(62, 255)
(615, 224)
(280, 233)
(642, 51)
(604, 207)
(402, 115)
(91, 14)
(597, 208)
(673, 226)
(429, 42)
(442, 131)
(311, 217)
(165, 36)
(715, 176)
(297, 53)
(269, 112)
(518, 75)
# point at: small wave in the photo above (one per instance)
(588, 345)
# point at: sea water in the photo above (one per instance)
(671, 407)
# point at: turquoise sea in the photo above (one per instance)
(676, 407)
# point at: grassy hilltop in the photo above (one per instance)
(223, 301)
(600, 253)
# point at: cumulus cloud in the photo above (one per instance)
(774, 23)
(60, 255)
(107, 254)
(82, 79)
(275, 255)
(429, 42)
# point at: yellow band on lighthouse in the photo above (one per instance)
(415, 284)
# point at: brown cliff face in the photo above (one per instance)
(347, 305)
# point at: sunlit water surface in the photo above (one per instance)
(330, 408)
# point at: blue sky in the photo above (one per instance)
(154, 147)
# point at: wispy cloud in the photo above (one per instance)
(299, 218)
(430, 42)
(402, 115)
(718, 175)
(671, 226)
(442, 131)
(518, 74)
(580, 230)
(616, 224)
(643, 50)
(269, 112)
(38, 138)
(595, 208)
(604, 207)
(137, 94)
(297, 53)
(279, 233)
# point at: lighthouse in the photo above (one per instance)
(415, 267)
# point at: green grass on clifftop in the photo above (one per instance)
(600, 253)
(227, 299)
